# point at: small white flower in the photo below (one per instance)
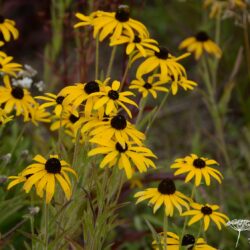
(239, 225)
(24, 82)
(28, 71)
(34, 210)
(6, 158)
(40, 85)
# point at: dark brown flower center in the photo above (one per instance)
(74, 118)
(119, 122)
(147, 85)
(28, 176)
(119, 147)
(91, 87)
(137, 39)
(114, 95)
(199, 163)
(202, 36)
(53, 166)
(17, 92)
(122, 14)
(162, 54)
(167, 186)
(206, 210)
(59, 99)
(1, 19)
(187, 239)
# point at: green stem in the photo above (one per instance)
(111, 61)
(96, 57)
(32, 231)
(199, 233)
(46, 220)
(238, 238)
(163, 101)
(214, 111)
(218, 28)
(142, 105)
(246, 40)
(76, 148)
(15, 145)
(217, 41)
(60, 131)
(125, 72)
(165, 230)
(186, 218)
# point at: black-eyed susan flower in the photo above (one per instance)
(164, 195)
(79, 94)
(198, 168)
(183, 82)
(8, 67)
(162, 61)
(199, 44)
(111, 99)
(151, 86)
(116, 23)
(4, 118)
(52, 100)
(69, 120)
(37, 114)
(138, 43)
(174, 243)
(114, 127)
(8, 29)
(44, 174)
(126, 157)
(15, 98)
(206, 213)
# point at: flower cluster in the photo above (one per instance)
(103, 114)
(167, 196)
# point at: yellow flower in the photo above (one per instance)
(151, 86)
(162, 61)
(113, 127)
(166, 195)
(139, 44)
(8, 29)
(44, 174)
(85, 20)
(112, 99)
(16, 180)
(77, 94)
(15, 98)
(8, 67)
(125, 157)
(4, 118)
(174, 243)
(69, 120)
(37, 114)
(198, 168)
(199, 44)
(206, 212)
(53, 100)
(116, 23)
(183, 82)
